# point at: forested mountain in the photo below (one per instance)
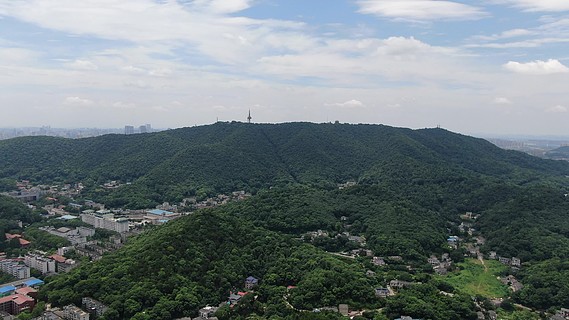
(412, 186)
(232, 156)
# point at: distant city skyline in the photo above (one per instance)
(486, 67)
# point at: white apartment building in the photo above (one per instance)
(15, 268)
(39, 262)
(106, 221)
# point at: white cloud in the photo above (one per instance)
(133, 69)
(350, 104)
(82, 65)
(77, 101)
(123, 105)
(541, 5)
(557, 109)
(537, 67)
(513, 33)
(420, 9)
(502, 101)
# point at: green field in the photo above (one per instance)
(475, 279)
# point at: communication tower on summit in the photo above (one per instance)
(249, 117)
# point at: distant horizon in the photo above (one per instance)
(504, 136)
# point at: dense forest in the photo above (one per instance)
(409, 189)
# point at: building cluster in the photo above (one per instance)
(513, 262)
(562, 314)
(75, 236)
(442, 265)
(145, 128)
(90, 309)
(104, 219)
(453, 241)
(15, 267)
(48, 264)
(21, 241)
(18, 296)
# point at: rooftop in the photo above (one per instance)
(67, 217)
(33, 282)
(159, 212)
(6, 289)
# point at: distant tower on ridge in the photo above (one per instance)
(249, 117)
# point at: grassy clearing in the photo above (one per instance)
(473, 279)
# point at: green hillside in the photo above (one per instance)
(412, 186)
(229, 156)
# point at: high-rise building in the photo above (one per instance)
(142, 129)
(128, 129)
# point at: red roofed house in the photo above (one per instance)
(16, 303)
(10, 236)
(58, 258)
(28, 291)
(23, 242)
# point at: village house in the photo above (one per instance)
(516, 262)
(378, 261)
(251, 282)
(207, 313)
(433, 260)
(94, 307)
(382, 292)
(398, 284)
(71, 312)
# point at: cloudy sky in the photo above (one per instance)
(487, 66)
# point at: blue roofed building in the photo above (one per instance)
(163, 213)
(7, 290)
(33, 283)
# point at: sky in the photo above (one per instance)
(487, 66)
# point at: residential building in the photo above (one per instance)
(106, 221)
(94, 307)
(16, 303)
(516, 262)
(382, 292)
(207, 313)
(28, 291)
(505, 261)
(15, 267)
(399, 284)
(39, 262)
(378, 261)
(251, 282)
(71, 312)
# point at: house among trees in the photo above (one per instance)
(251, 282)
(382, 292)
(207, 313)
(516, 262)
(378, 261)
